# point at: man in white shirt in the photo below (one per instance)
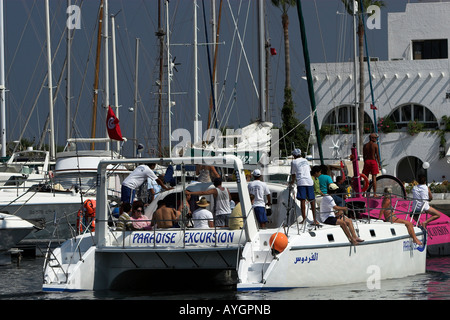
(301, 173)
(136, 178)
(260, 190)
(202, 217)
(328, 211)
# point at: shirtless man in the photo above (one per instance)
(371, 159)
(165, 217)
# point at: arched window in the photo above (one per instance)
(342, 120)
(413, 112)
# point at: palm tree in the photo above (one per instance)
(349, 7)
(291, 129)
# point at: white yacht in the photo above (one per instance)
(53, 206)
(26, 168)
(12, 230)
(108, 257)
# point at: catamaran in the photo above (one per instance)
(101, 259)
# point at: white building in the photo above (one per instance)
(414, 84)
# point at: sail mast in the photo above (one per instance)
(68, 80)
(160, 34)
(262, 70)
(50, 82)
(2, 84)
(136, 70)
(97, 72)
(309, 78)
(106, 63)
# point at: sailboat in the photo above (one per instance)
(312, 256)
(53, 205)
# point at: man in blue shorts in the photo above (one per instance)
(301, 173)
(259, 190)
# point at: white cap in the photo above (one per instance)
(256, 172)
(333, 186)
(296, 152)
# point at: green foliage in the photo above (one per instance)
(386, 125)
(414, 127)
(293, 132)
(445, 120)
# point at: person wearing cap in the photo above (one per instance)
(371, 159)
(202, 217)
(301, 174)
(332, 214)
(260, 191)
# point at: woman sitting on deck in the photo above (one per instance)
(389, 215)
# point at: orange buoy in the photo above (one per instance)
(278, 241)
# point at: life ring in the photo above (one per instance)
(366, 182)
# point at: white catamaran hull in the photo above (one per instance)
(79, 265)
(324, 257)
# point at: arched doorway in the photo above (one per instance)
(409, 168)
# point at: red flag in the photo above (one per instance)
(112, 124)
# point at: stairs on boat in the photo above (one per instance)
(255, 260)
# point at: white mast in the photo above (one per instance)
(262, 59)
(106, 56)
(2, 83)
(50, 83)
(136, 95)
(196, 123)
(169, 77)
(116, 90)
(68, 80)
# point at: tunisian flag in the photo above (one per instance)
(112, 124)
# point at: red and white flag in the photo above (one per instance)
(112, 124)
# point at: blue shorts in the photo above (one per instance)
(305, 192)
(127, 194)
(260, 213)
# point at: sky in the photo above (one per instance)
(329, 37)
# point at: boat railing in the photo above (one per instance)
(399, 205)
(20, 184)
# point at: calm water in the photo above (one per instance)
(24, 282)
